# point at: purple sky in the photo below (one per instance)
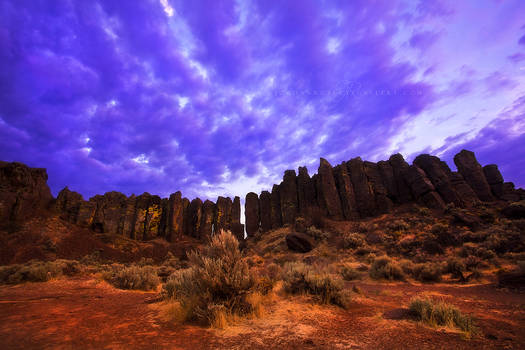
(220, 97)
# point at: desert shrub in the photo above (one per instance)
(145, 262)
(134, 277)
(217, 284)
(455, 267)
(349, 273)
(472, 262)
(38, 271)
(385, 268)
(316, 233)
(441, 314)
(480, 252)
(273, 271)
(475, 237)
(353, 240)
(299, 278)
(407, 266)
(427, 272)
(442, 234)
(501, 240)
(431, 246)
(363, 250)
(397, 226)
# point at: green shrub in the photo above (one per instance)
(441, 314)
(218, 279)
(349, 273)
(134, 277)
(299, 278)
(385, 268)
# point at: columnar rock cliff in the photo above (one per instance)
(351, 190)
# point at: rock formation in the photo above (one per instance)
(347, 191)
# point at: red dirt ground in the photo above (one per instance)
(84, 313)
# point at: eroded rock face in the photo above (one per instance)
(346, 192)
(389, 181)
(330, 195)
(383, 202)
(276, 215)
(422, 189)
(400, 169)
(305, 191)
(473, 174)
(175, 217)
(439, 176)
(288, 197)
(223, 214)
(68, 204)
(194, 217)
(299, 242)
(465, 192)
(494, 179)
(265, 201)
(251, 211)
(364, 194)
(23, 192)
(207, 218)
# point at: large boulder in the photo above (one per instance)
(330, 195)
(514, 210)
(23, 192)
(288, 196)
(364, 194)
(510, 193)
(467, 195)
(299, 242)
(251, 211)
(400, 168)
(472, 171)
(265, 209)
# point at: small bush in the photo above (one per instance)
(441, 314)
(134, 277)
(480, 252)
(455, 267)
(299, 278)
(397, 226)
(353, 241)
(385, 268)
(217, 284)
(38, 271)
(427, 272)
(316, 234)
(349, 273)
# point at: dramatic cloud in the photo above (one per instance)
(220, 97)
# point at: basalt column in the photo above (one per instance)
(330, 195)
(346, 192)
(223, 214)
(439, 176)
(288, 196)
(305, 192)
(207, 216)
(175, 217)
(494, 179)
(276, 215)
(265, 201)
(236, 226)
(363, 192)
(400, 168)
(383, 203)
(472, 171)
(251, 211)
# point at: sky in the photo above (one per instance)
(221, 97)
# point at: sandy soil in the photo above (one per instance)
(84, 313)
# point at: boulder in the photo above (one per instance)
(251, 211)
(330, 195)
(472, 171)
(510, 193)
(494, 179)
(265, 201)
(299, 242)
(346, 192)
(288, 196)
(465, 192)
(364, 194)
(514, 210)
(276, 215)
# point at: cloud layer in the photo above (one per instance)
(220, 97)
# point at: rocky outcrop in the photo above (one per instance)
(251, 211)
(438, 173)
(276, 215)
(299, 242)
(383, 203)
(288, 197)
(194, 217)
(223, 214)
(400, 169)
(175, 217)
(207, 219)
(305, 192)
(465, 192)
(265, 209)
(236, 227)
(422, 189)
(387, 174)
(329, 194)
(346, 192)
(473, 174)
(364, 194)
(23, 192)
(494, 179)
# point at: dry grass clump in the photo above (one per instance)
(353, 240)
(349, 273)
(134, 277)
(299, 278)
(385, 268)
(316, 233)
(439, 313)
(424, 272)
(38, 271)
(218, 286)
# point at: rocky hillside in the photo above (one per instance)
(351, 190)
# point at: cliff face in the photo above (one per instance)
(350, 190)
